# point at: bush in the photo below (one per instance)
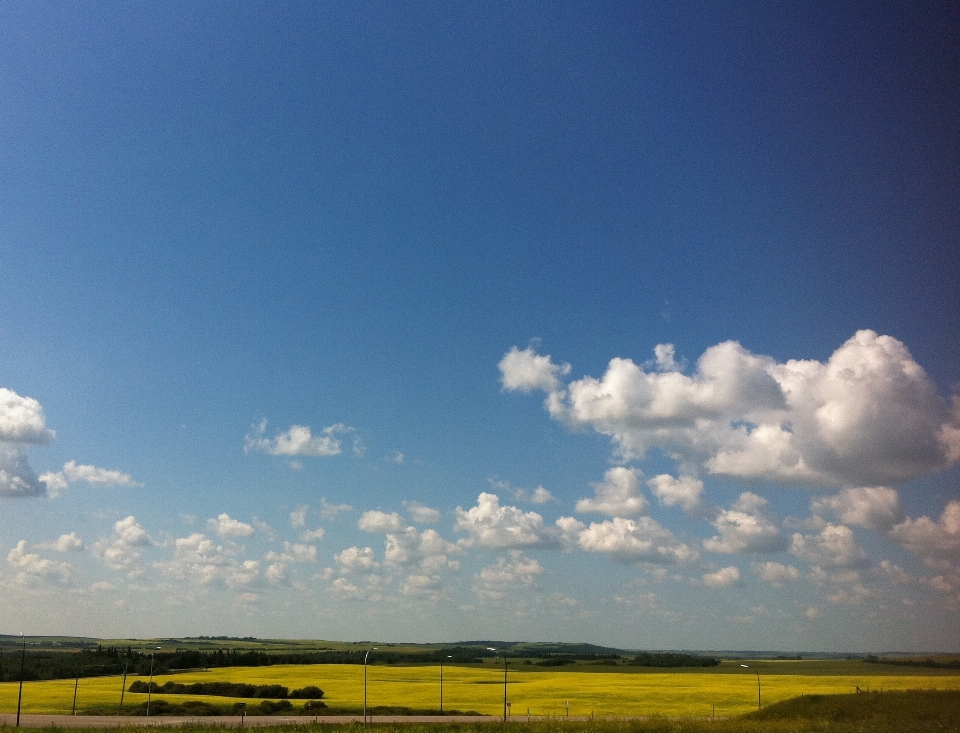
(310, 692)
(269, 707)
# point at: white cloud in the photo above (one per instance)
(834, 547)
(723, 578)
(298, 440)
(685, 492)
(868, 416)
(94, 475)
(31, 566)
(539, 495)
(874, 507)
(526, 371)
(22, 420)
(64, 543)
(746, 528)
(776, 573)
(298, 517)
(848, 589)
(312, 535)
(422, 514)
(226, 526)
(932, 540)
(293, 553)
(73, 472)
(356, 559)
(332, 511)
(120, 551)
(495, 581)
(635, 540)
(17, 479)
(617, 496)
(502, 527)
(396, 457)
(376, 521)
(199, 560)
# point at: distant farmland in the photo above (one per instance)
(581, 689)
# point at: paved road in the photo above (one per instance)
(115, 721)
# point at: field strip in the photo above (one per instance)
(723, 692)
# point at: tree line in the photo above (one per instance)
(227, 689)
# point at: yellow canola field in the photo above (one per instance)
(480, 689)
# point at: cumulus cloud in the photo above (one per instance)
(22, 420)
(526, 371)
(723, 578)
(539, 495)
(495, 581)
(356, 559)
(423, 556)
(72, 472)
(64, 543)
(633, 540)
(226, 526)
(868, 416)
(312, 535)
(121, 551)
(298, 517)
(32, 567)
(17, 479)
(776, 573)
(332, 511)
(199, 560)
(376, 521)
(422, 514)
(685, 492)
(618, 495)
(502, 527)
(298, 440)
(873, 507)
(746, 528)
(932, 540)
(834, 547)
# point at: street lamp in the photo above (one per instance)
(747, 666)
(441, 682)
(499, 654)
(365, 684)
(150, 686)
(23, 658)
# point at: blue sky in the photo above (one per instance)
(629, 324)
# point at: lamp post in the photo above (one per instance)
(23, 659)
(123, 689)
(747, 666)
(365, 685)
(441, 682)
(150, 686)
(499, 654)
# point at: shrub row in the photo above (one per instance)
(228, 689)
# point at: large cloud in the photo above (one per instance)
(618, 495)
(22, 423)
(632, 540)
(868, 416)
(503, 527)
(936, 541)
(22, 419)
(876, 507)
(746, 528)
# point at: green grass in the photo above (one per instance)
(727, 690)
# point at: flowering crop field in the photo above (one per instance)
(723, 691)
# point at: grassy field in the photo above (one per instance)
(727, 690)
